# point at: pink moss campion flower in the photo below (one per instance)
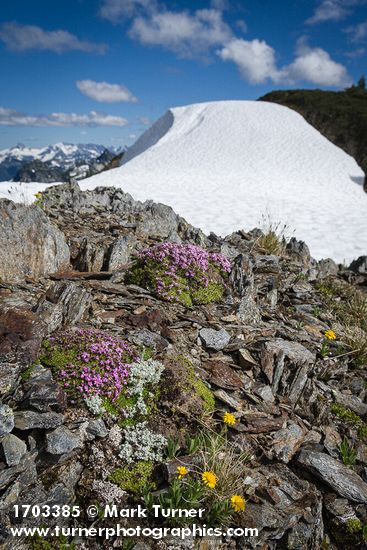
(172, 270)
(96, 364)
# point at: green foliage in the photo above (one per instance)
(219, 513)
(60, 543)
(183, 273)
(39, 199)
(351, 418)
(147, 353)
(205, 393)
(183, 494)
(133, 479)
(191, 383)
(147, 275)
(362, 83)
(353, 526)
(273, 240)
(206, 295)
(26, 374)
(349, 307)
(347, 453)
(193, 444)
(202, 390)
(172, 449)
(56, 357)
(215, 454)
(271, 243)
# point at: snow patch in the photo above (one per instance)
(223, 165)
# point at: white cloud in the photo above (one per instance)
(315, 65)
(332, 10)
(355, 54)
(358, 33)
(219, 4)
(105, 92)
(256, 62)
(184, 33)
(115, 10)
(255, 59)
(11, 117)
(19, 38)
(242, 25)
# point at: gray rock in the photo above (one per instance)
(120, 253)
(214, 339)
(30, 244)
(245, 359)
(287, 441)
(91, 254)
(359, 265)
(228, 399)
(10, 370)
(62, 441)
(28, 420)
(332, 441)
(341, 479)
(266, 394)
(42, 392)
(14, 449)
(327, 267)
(282, 502)
(350, 402)
(6, 419)
(286, 365)
(339, 510)
(153, 219)
(64, 304)
(299, 250)
(242, 280)
(97, 428)
(26, 469)
(267, 264)
(148, 339)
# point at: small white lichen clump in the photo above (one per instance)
(142, 374)
(141, 444)
(108, 492)
(94, 404)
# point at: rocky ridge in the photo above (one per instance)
(261, 352)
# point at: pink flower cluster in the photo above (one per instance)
(184, 260)
(99, 364)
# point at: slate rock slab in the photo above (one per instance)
(62, 441)
(214, 339)
(6, 419)
(340, 478)
(14, 449)
(31, 246)
(28, 420)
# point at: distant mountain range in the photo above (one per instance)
(59, 162)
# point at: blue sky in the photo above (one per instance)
(102, 70)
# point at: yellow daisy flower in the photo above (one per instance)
(238, 503)
(181, 471)
(330, 334)
(229, 419)
(209, 479)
